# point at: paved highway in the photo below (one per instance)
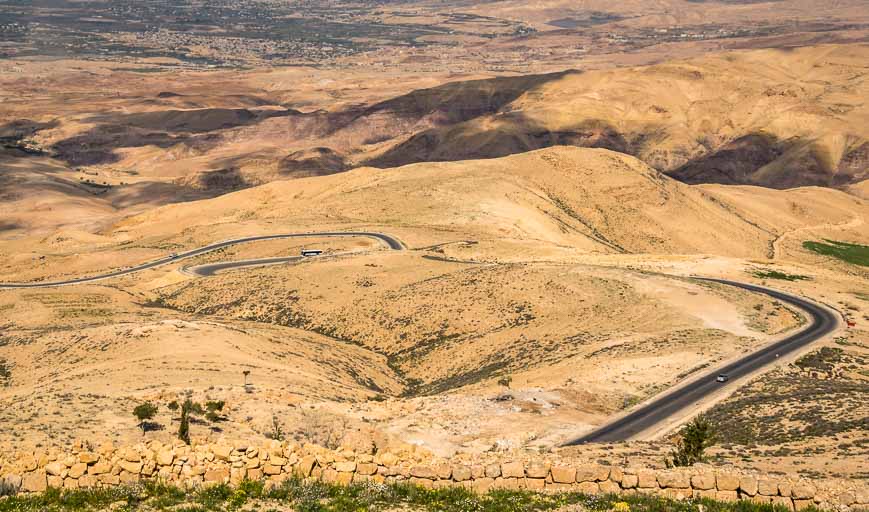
(392, 242)
(650, 415)
(822, 322)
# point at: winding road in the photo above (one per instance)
(206, 270)
(645, 417)
(822, 321)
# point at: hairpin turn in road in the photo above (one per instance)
(646, 417)
(392, 242)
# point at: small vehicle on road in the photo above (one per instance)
(173, 255)
(722, 378)
(307, 253)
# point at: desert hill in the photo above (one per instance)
(586, 201)
(534, 267)
(594, 200)
(772, 118)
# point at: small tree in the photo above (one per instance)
(184, 426)
(505, 381)
(277, 432)
(693, 440)
(173, 405)
(144, 412)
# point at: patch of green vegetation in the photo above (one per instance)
(323, 497)
(824, 360)
(776, 274)
(854, 254)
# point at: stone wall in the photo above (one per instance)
(85, 467)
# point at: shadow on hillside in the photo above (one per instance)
(734, 162)
(9, 226)
(195, 129)
(201, 185)
(765, 159)
(514, 133)
(189, 121)
(456, 102)
(444, 105)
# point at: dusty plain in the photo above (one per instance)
(557, 176)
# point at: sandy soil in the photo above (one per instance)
(541, 292)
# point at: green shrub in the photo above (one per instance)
(144, 412)
(214, 406)
(692, 441)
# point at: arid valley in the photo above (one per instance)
(517, 216)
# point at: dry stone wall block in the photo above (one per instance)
(512, 470)
(34, 482)
(563, 475)
(703, 481)
(727, 482)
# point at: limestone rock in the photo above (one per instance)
(423, 472)
(630, 481)
(88, 458)
(443, 471)
(99, 468)
(537, 470)
(726, 482)
(748, 485)
(703, 481)
(217, 475)
(221, 452)
(535, 483)
(803, 491)
(131, 467)
(461, 473)
(306, 465)
(54, 468)
(767, 487)
(609, 487)
(616, 474)
(269, 469)
(130, 455)
(35, 481)
(345, 467)
(512, 470)
(77, 470)
(366, 469)
(493, 471)
(592, 474)
(646, 480)
(165, 457)
(588, 488)
(55, 482)
(563, 475)
(674, 480)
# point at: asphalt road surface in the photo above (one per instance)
(391, 242)
(822, 321)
